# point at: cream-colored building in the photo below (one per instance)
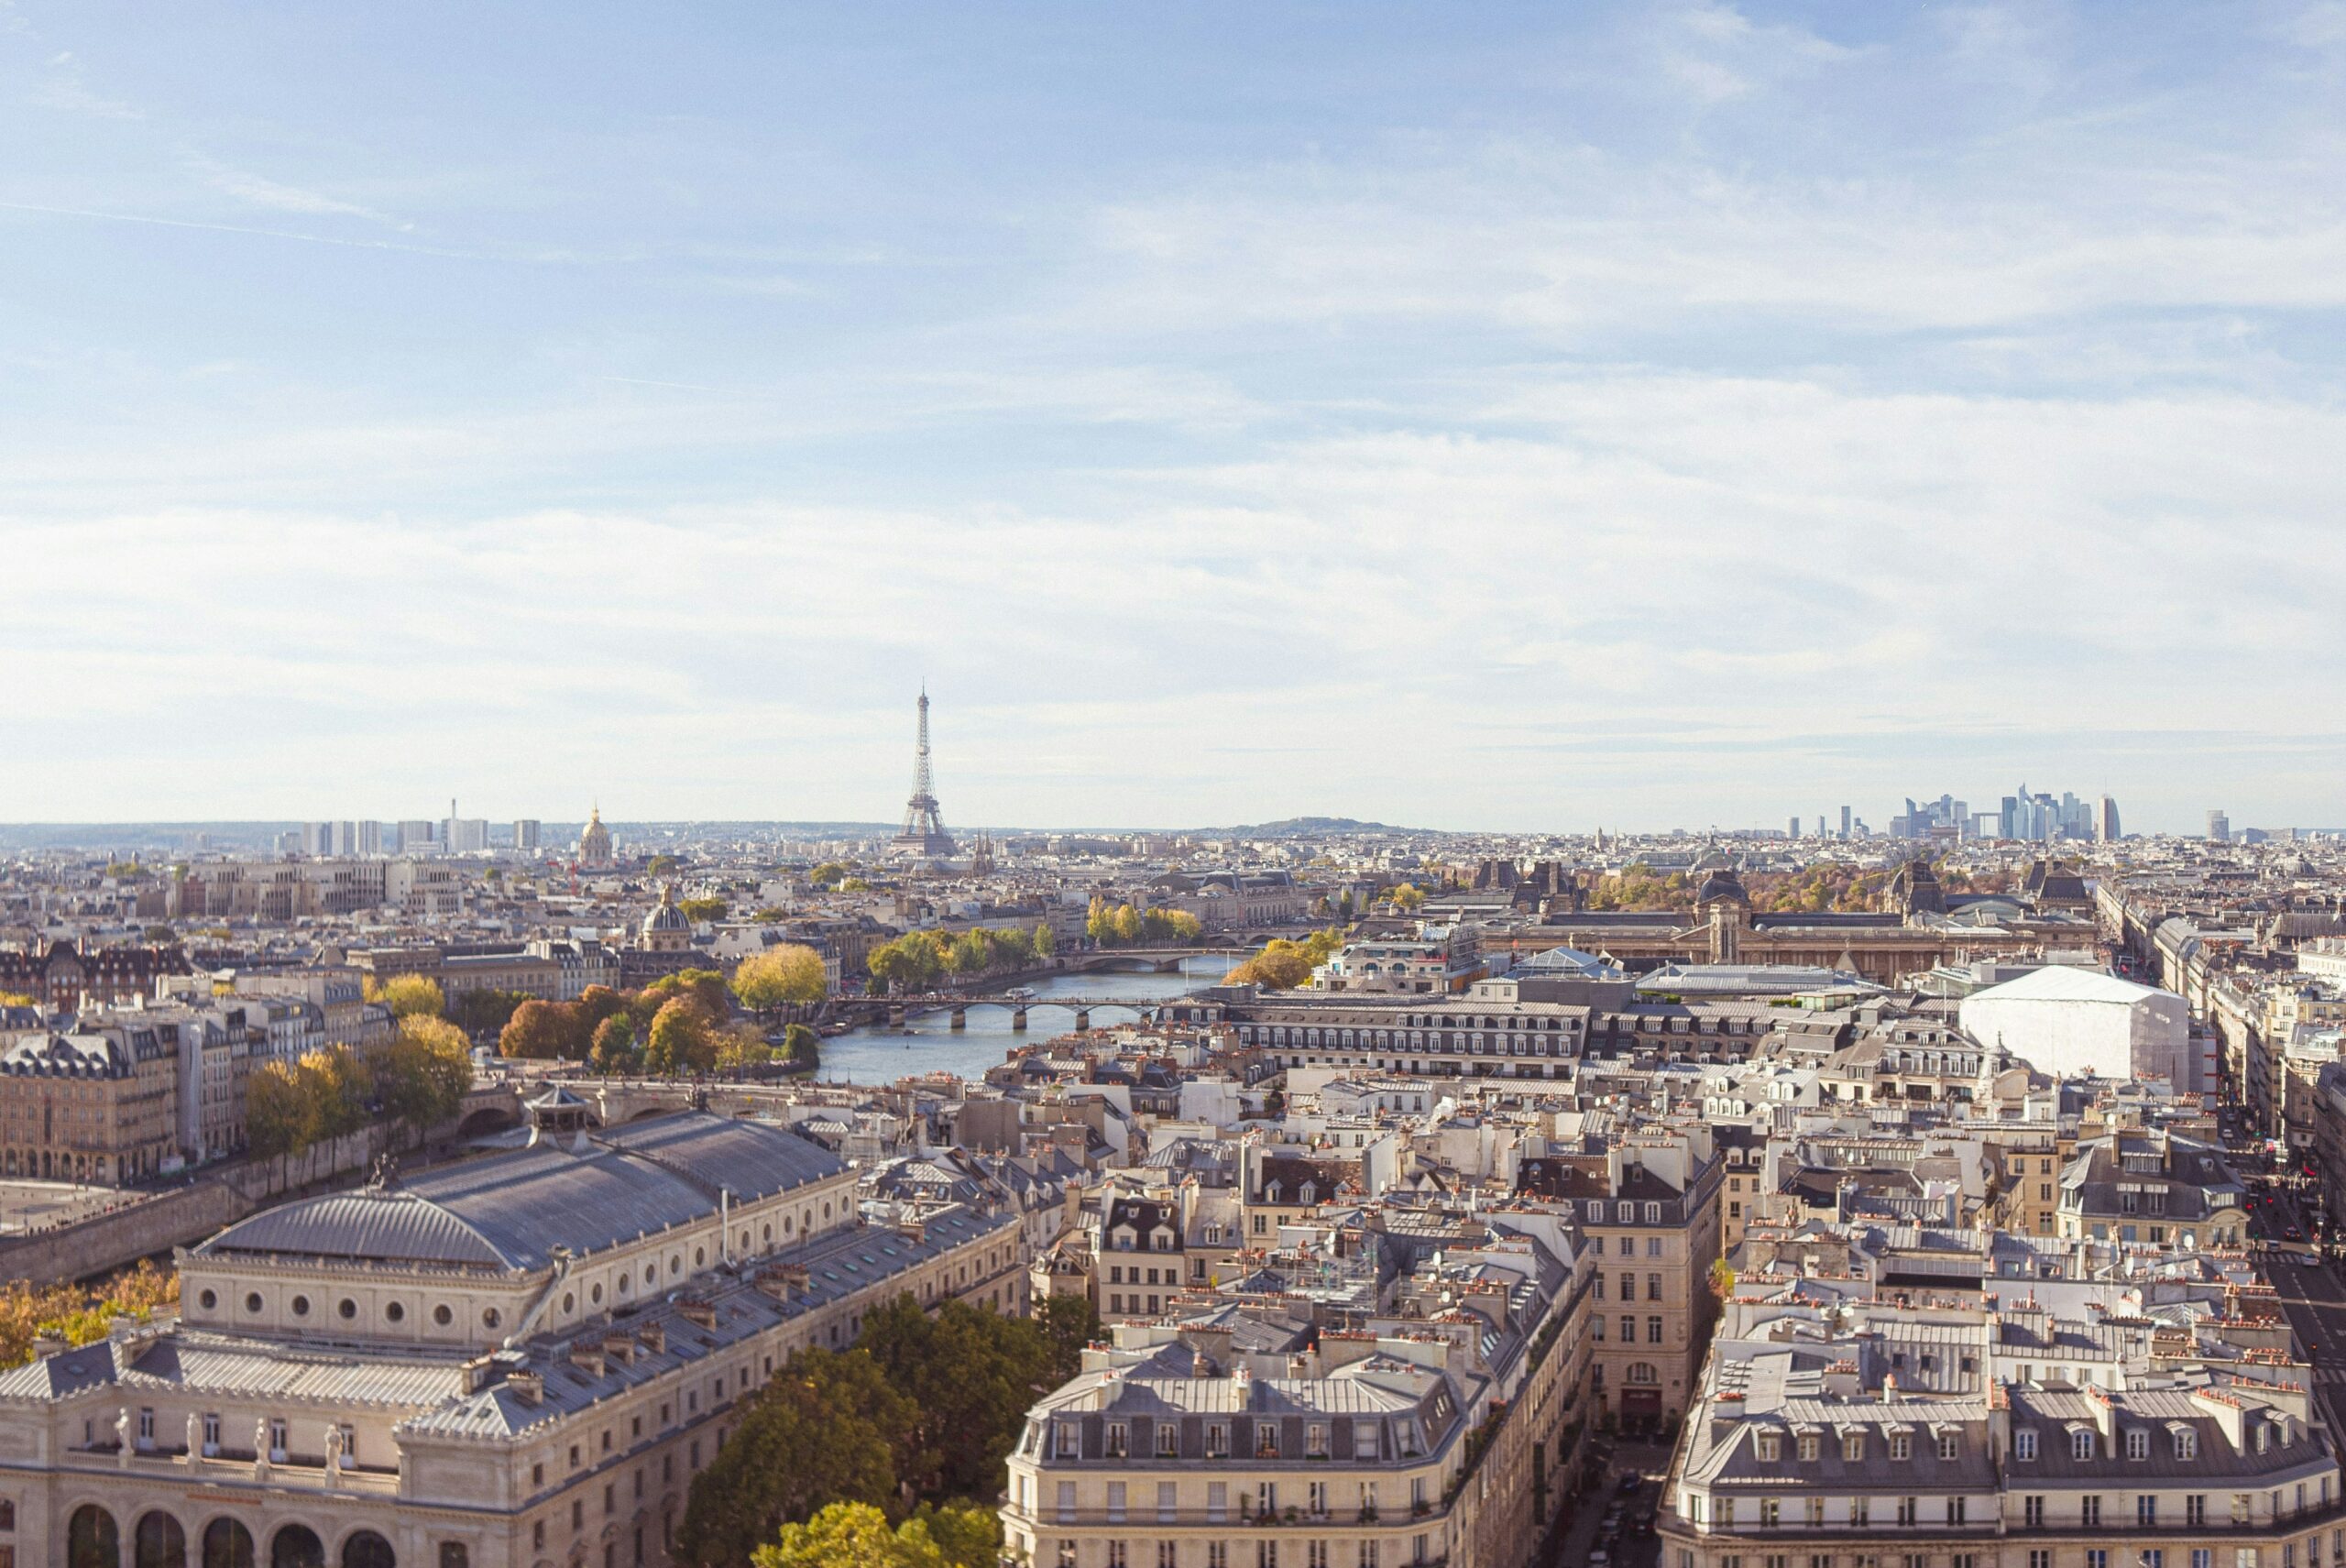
(521, 1360)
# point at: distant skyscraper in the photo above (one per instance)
(2105, 820)
(2219, 828)
(525, 835)
(1793, 831)
(924, 831)
(1845, 822)
(416, 838)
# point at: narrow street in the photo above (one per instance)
(2313, 1299)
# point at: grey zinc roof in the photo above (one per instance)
(510, 1211)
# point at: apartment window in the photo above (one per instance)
(2089, 1509)
(2097, 1558)
(1165, 1557)
(1168, 1440)
(1900, 1445)
(1814, 1512)
(2242, 1508)
(1905, 1510)
(1315, 1442)
(1115, 1502)
(2031, 1513)
(1653, 1247)
(1115, 1554)
(2138, 1443)
(1217, 1554)
(1119, 1434)
(1067, 1502)
(1808, 1447)
(1628, 1328)
(2201, 1557)
(2187, 1445)
(1861, 1515)
(1653, 1214)
(1946, 1445)
(1769, 1446)
(1954, 1510)
(1167, 1496)
(1217, 1440)
(1596, 1327)
(2081, 1445)
(2025, 1444)
(2244, 1557)
(1723, 1511)
(1771, 1513)
(1653, 1331)
(2040, 1559)
(1217, 1502)
(1315, 1554)
(1067, 1438)
(1653, 1287)
(2195, 1514)
(1267, 1554)
(1962, 1560)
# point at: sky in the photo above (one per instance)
(1463, 415)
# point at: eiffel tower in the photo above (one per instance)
(924, 831)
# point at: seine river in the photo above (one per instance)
(881, 1056)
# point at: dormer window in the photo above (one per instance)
(1118, 1435)
(1853, 1446)
(1901, 1446)
(1946, 1445)
(1808, 1447)
(2081, 1445)
(2187, 1445)
(1066, 1439)
(2025, 1444)
(1771, 1448)
(2138, 1444)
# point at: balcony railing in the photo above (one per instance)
(1392, 1519)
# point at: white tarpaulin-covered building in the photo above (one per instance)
(2070, 1021)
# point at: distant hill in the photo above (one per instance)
(1310, 827)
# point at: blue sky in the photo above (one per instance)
(1475, 416)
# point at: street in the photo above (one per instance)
(2312, 1298)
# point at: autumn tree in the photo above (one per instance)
(423, 1077)
(857, 1535)
(697, 910)
(785, 974)
(682, 1041)
(1042, 944)
(280, 1117)
(803, 1046)
(408, 993)
(538, 1031)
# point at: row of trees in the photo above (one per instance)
(79, 1314)
(1283, 965)
(918, 959)
(1123, 926)
(417, 1081)
(678, 1026)
(915, 1423)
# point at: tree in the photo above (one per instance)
(1069, 1324)
(341, 1088)
(970, 1375)
(1280, 966)
(785, 974)
(830, 874)
(739, 1045)
(481, 1011)
(1127, 924)
(280, 1117)
(538, 1031)
(16, 999)
(697, 910)
(803, 1046)
(705, 986)
(615, 1050)
(682, 1041)
(1722, 1279)
(408, 995)
(823, 1429)
(856, 1535)
(855, 884)
(423, 1078)
(1044, 944)
(663, 865)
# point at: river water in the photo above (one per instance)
(877, 1056)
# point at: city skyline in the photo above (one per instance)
(1444, 413)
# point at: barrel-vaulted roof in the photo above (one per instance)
(509, 1212)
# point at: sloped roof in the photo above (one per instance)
(2060, 982)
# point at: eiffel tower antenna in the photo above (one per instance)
(924, 831)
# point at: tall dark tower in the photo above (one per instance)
(924, 831)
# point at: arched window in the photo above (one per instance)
(227, 1544)
(365, 1549)
(92, 1541)
(296, 1546)
(1642, 1372)
(158, 1541)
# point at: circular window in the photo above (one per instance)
(208, 1299)
(651, 1274)
(569, 1302)
(347, 1308)
(768, 1237)
(396, 1312)
(700, 1257)
(627, 1282)
(488, 1317)
(442, 1316)
(252, 1302)
(301, 1305)
(594, 1293)
(675, 1266)
(827, 1211)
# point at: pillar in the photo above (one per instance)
(1082, 1020)
(960, 1018)
(1018, 1018)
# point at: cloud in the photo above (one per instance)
(253, 190)
(64, 86)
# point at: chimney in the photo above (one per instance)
(653, 1336)
(529, 1388)
(587, 1357)
(1890, 1388)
